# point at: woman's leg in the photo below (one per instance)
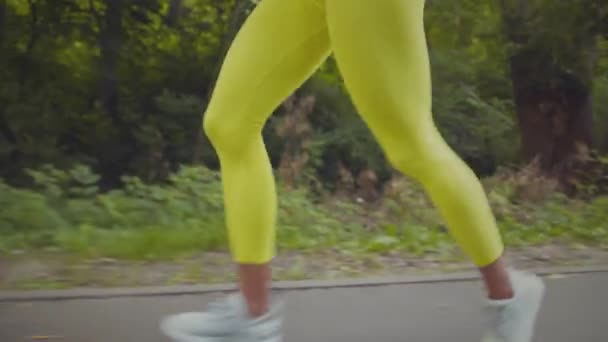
(381, 50)
(386, 69)
(280, 45)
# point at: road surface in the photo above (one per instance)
(576, 310)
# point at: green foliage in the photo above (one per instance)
(185, 215)
(600, 110)
(121, 86)
(304, 224)
(471, 87)
(141, 220)
(60, 75)
(25, 211)
(341, 135)
(56, 106)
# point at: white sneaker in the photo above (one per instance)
(226, 321)
(513, 320)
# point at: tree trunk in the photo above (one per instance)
(5, 127)
(2, 20)
(552, 95)
(554, 114)
(175, 10)
(118, 155)
(26, 58)
(111, 43)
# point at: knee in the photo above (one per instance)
(421, 159)
(224, 132)
(214, 128)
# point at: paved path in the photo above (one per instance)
(576, 310)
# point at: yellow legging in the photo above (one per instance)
(380, 48)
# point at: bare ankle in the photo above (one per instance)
(254, 285)
(501, 293)
(497, 280)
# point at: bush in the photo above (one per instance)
(182, 216)
(139, 220)
(185, 215)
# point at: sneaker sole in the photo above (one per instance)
(178, 336)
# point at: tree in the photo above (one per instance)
(121, 85)
(552, 60)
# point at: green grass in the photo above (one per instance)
(148, 243)
(185, 216)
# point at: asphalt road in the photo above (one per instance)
(576, 310)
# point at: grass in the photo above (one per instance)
(54, 271)
(185, 216)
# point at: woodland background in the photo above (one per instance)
(102, 152)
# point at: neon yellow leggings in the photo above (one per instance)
(380, 48)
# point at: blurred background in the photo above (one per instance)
(107, 178)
